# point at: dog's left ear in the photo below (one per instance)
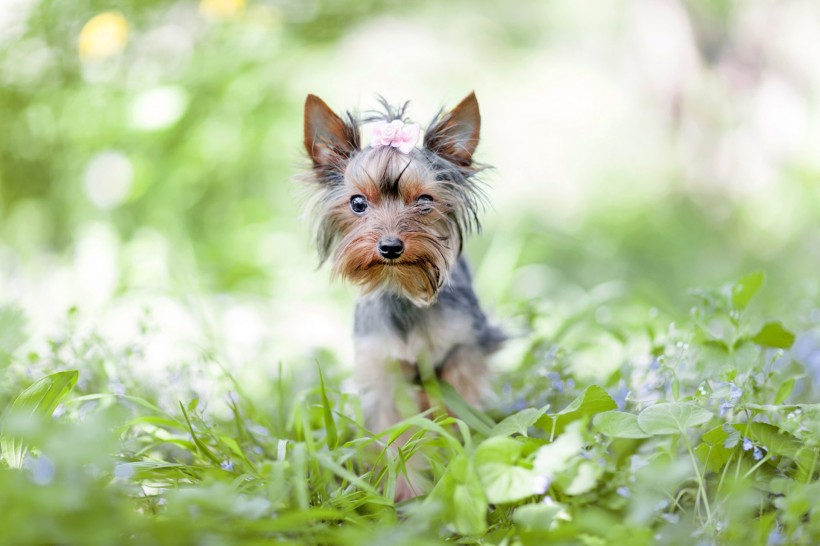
(328, 139)
(455, 134)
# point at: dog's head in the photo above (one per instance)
(393, 216)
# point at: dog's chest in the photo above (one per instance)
(408, 333)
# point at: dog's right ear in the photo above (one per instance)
(454, 135)
(329, 140)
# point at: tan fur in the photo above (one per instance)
(431, 245)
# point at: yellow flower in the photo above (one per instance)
(221, 8)
(104, 35)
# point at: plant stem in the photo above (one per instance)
(755, 467)
(723, 474)
(701, 485)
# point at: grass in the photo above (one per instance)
(701, 431)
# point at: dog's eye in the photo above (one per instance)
(358, 204)
(425, 202)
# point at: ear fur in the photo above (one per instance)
(328, 138)
(455, 135)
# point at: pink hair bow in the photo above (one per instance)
(395, 134)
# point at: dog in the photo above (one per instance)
(392, 217)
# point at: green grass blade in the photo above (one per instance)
(40, 399)
(327, 415)
(199, 443)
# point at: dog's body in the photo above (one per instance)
(393, 218)
(393, 335)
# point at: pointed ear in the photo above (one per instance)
(455, 134)
(328, 139)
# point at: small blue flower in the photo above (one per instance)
(123, 471)
(734, 392)
(776, 538)
(41, 469)
(117, 388)
(624, 492)
(671, 518)
(747, 444)
(227, 465)
(757, 453)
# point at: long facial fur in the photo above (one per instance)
(391, 182)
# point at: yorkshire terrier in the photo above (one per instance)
(393, 217)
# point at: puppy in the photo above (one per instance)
(392, 217)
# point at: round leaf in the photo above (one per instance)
(619, 424)
(672, 417)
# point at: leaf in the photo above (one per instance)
(327, 416)
(619, 424)
(475, 418)
(343, 473)
(773, 334)
(197, 441)
(536, 516)
(460, 498)
(471, 508)
(784, 391)
(518, 423)
(782, 407)
(40, 399)
(593, 400)
(779, 442)
(745, 289)
(713, 452)
(585, 478)
(556, 456)
(502, 478)
(672, 417)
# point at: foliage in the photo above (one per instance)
(717, 438)
(144, 165)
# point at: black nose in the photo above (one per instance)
(390, 247)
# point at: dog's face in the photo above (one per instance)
(390, 220)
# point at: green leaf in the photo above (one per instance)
(470, 508)
(460, 499)
(40, 399)
(197, 441)
(773, 334)
(672, 417)
(779, 442)
(536, 517)
(518, 423)
(745, 289)
(557, 456)
(784, 391)
(592, 401)
(475, 418)
(619, 424)
(713, 452)
(328, 463)
(502, 478)
(327, 416)
(586, 477)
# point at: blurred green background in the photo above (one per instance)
(641, 148)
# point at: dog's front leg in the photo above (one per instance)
(384, 389)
